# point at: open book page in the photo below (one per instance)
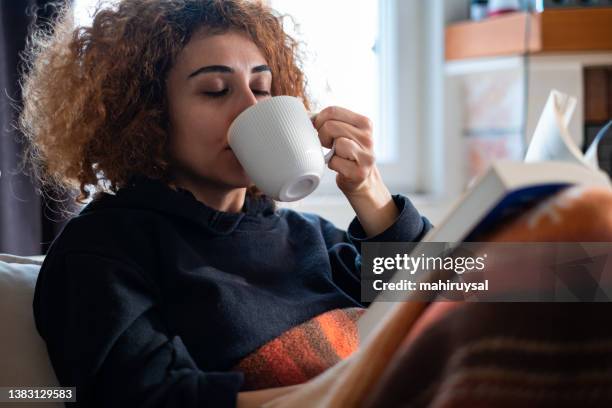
(551, 140)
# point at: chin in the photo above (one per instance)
(237, 180)
(223, 178)
(236, 176)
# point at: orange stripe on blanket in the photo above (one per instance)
(334, 328)
(296, 348)
(278, 364)
(302, 352)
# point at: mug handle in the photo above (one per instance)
(327, 156)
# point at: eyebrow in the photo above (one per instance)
(226, 70)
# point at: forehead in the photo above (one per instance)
(232, 48)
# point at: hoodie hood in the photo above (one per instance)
(144, 193)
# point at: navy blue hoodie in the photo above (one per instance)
(148, 297)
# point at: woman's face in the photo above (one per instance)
(214, 78)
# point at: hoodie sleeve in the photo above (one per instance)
(106, 336)
(344, 247)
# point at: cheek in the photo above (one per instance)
(196, 134)
(193, 148)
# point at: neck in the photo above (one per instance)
(221, 199)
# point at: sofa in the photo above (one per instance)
(24, 361)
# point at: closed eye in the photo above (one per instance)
(216, 94)
(223, 92)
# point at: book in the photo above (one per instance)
(552, 163)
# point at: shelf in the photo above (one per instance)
(552, 31)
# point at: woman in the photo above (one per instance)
(180, 284)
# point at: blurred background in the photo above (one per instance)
(450, 86)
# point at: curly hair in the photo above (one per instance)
(94, 101)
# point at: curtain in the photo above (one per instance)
(28, 222)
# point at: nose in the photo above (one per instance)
(242, 99)
(245, 100)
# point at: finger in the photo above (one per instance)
(347, 148)
(343, 166)
(351, 150)
(333, 129)
(342, 115)
(348, 169)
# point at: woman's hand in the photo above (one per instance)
(354, 156)
(358, 177)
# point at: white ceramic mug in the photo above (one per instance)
(278, 146)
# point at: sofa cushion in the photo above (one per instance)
(23, 353)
